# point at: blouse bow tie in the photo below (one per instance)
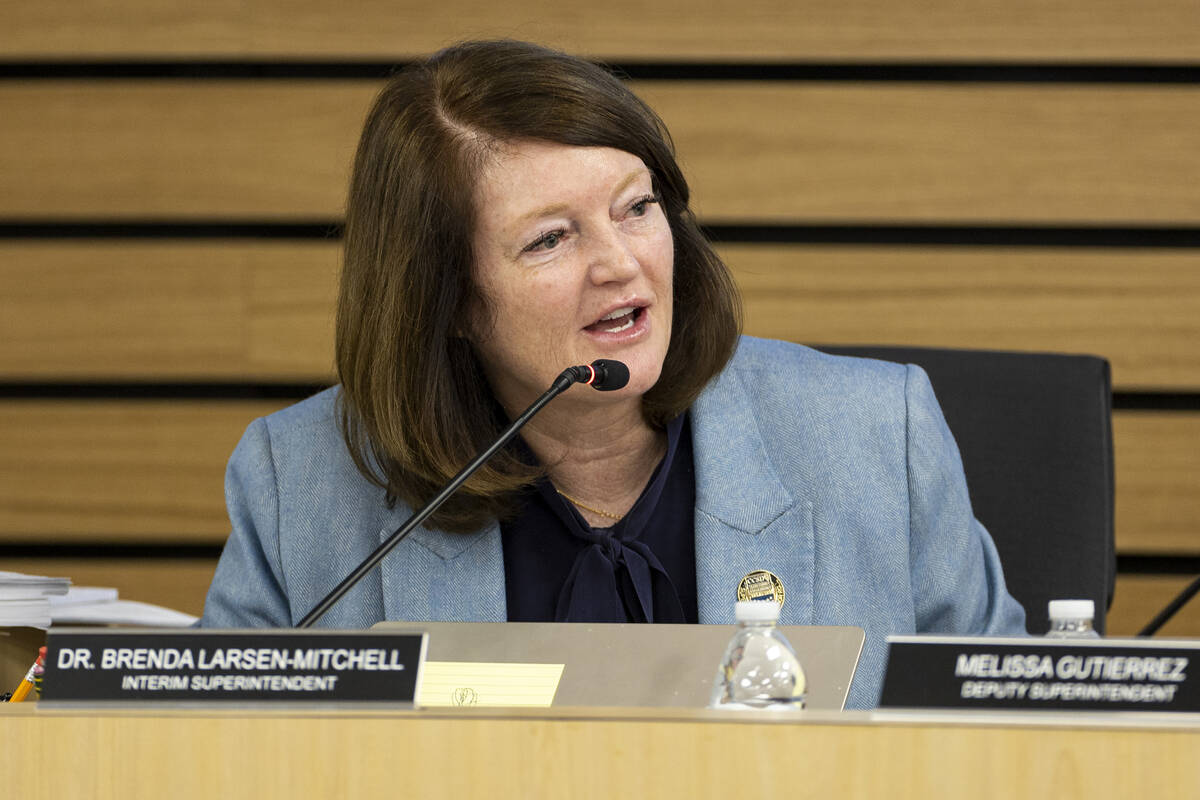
(616, 579)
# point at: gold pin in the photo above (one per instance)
(761, 585)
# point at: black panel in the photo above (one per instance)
(879, 234)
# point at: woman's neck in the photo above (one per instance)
(602, 457)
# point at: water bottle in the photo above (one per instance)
(760, 669)
(1072, 619)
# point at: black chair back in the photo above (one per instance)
(1035, 433)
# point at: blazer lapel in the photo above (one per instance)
(747, 519)
(438, 576)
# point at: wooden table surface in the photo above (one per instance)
(261, 752)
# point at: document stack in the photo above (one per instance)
(97, 605)
(35, 601)
(25, 599)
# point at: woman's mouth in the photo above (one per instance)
(616, 321)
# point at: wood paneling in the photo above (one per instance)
(99, 471)
(836, 30)
(1140, 597)
(79, 471)
(918, 153)
(155, 310)
(1157, 456)
(753, 151)
(177, 149)
(178, 583)
(1139, 309)
(252, 310)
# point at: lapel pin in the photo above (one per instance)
(761, 585)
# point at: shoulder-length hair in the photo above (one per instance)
(414, 405)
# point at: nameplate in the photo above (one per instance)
(1038, 673)
(88, 665)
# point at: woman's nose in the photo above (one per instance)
(612, 258)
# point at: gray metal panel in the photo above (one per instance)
(639, 665)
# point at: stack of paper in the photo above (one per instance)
(95, 605)
(36, 601)
(25, 599)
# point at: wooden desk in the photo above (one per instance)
(590, 753)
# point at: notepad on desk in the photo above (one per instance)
(466, 683)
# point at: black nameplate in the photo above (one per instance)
(261, 665)
(1038, 673)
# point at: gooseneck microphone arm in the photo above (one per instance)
(603, 375)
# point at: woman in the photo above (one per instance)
(514, 211)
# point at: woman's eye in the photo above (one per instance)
(642, 206)
(547, 241)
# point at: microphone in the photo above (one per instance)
(602, 374)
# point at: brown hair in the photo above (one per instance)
(414, 406)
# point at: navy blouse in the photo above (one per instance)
(642, 569)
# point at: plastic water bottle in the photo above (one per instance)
(1072, 619)
(760, 669)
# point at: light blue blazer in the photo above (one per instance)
(837, 474)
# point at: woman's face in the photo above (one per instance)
(575, 257)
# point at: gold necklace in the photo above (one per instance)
(586, 507)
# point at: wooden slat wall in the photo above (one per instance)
(1157, 476)
(178, 583)
(167, 310)
(826, 30)
(118, 471)
(778, 152)
(256, 309)
(188, 310)
(1138, 308)
(939, 153)
(1140, 597)
(151, 470)
(143, 473)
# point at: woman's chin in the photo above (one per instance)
(642, 378)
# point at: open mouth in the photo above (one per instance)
(621, 319)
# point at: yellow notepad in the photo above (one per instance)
(461, 683)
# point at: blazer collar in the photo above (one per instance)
(736, 480)
(746, 517)
(434, 575)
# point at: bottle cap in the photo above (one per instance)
(1072, 609)
(756, 611)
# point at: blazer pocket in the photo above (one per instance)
(725, 554)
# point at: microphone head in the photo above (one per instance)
(608, 375)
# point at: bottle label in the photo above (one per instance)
(1055, 674)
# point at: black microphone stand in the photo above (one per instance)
(1180, 600)
(563, 382)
